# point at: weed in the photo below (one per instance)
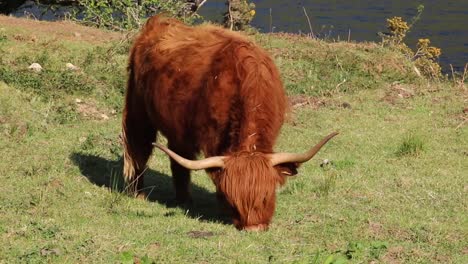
(411, 145)
(115, 192)
(327, 183)
(3, 38)
(294, 187)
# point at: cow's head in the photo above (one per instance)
(247, 181)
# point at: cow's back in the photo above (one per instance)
(207, 88)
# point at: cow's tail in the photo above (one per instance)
(129, 164)
(128, 155)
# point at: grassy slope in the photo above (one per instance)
(372, 204)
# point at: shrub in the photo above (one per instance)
(124, 15)
(425, 58)
(239, 15)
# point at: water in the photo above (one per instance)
(443, 22)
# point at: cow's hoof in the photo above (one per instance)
(257, 228)
(185, 203)
(141, 195)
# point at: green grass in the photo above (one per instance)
(395, 190)
(411, 145)
(315, 67)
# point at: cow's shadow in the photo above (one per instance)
(108, 173)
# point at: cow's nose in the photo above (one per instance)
(260, 227)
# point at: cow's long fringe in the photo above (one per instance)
(249, 182)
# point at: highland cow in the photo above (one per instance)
(211, 91)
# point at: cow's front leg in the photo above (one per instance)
(181, 181)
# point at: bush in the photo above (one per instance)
(425, 58)
(239, 15)
(124, 15)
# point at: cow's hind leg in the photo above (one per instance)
(138, 134)
(181, 177)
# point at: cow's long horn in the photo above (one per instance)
(211, 162)
(279, 158)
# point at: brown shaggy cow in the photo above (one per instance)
(212, 91)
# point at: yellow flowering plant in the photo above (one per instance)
(426, 56)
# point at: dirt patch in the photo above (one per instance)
(396, 92)
(62, 29)
(462, 118)
(200, 234)
(394, 255)
(375, 229)
(89, 110)
(298, 101)
(154, 246)
(465, 251)
(55, 183)
(399, 234)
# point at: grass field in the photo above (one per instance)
(395, 192)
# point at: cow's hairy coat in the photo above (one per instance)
(209, 91)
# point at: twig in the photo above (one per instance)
(462, 123)
(310, 25)
(338, 62)
(453, 75)
(349, 35)
(300, 104)
(465, 73)
(230, 17)
(202, 3)
(418, 52)
(198, 7)
(271, 22)
(338, 85)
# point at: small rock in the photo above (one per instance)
(104, 117)
(346, 105)
(200, 234)
(35, 67)
(47, 252)
(325, 162)
(71, 67)
(78, 101)
(82, 139)
(113, 112)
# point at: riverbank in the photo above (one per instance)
(393, 193)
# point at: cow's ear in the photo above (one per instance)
(287, 169)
